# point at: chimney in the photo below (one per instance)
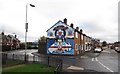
(2, 33)
(81, 30)
(77, 28)
(15, 36)
(71, 25)
(65, 21)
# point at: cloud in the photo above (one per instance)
(97, 18)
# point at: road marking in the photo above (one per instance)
(83, 57)
(75, 68)
(105, 67)
(94, 59)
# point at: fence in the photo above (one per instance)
(13, 59)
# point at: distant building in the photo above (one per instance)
(9, 42)
(67, 40)
(30, 45)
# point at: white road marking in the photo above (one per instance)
(75, 68)
(83, 57)
(96, 59)
(92, 59)
(105, 66)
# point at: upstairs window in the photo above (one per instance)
(76, 34)
(82, 37)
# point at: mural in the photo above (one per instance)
(60, 39)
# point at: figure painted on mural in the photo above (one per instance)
(60, 34)
(60, 45)
(60, 40)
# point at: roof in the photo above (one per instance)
(54, 25)
(57, 23)
(65, 24)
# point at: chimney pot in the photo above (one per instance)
(71, 25)
(65, 21)
(2, 33)
(15, 36)
(77, 28)
(81, 30)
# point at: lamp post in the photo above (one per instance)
(26, 28)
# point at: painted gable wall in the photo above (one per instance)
(69, 31)
(60, 39)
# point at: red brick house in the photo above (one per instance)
(9, 42)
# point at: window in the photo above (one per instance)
(82, 37)
(76, 34)
(85, 38)
(82, 46)
(79, 47)
(76, 46)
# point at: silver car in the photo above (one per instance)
(117, 49)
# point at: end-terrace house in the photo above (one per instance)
(64, 39)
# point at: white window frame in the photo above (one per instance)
(76, 45)
(76, 34)
(82, 37)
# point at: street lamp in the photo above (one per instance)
(26, 27)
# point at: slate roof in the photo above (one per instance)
(57, 23)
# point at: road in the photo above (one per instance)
(19, 54)
(28, 52)
(106, 61)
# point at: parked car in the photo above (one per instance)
(97, 49)
(117, 49)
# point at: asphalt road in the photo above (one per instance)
(28, 51)
(19, 54)
(106, 61)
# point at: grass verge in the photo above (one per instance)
(38, 68)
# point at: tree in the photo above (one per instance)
(42, 45)
(42, 39)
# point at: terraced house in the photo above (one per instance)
(64, 39)
(9, 42)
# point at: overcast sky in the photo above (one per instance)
(97, 18)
